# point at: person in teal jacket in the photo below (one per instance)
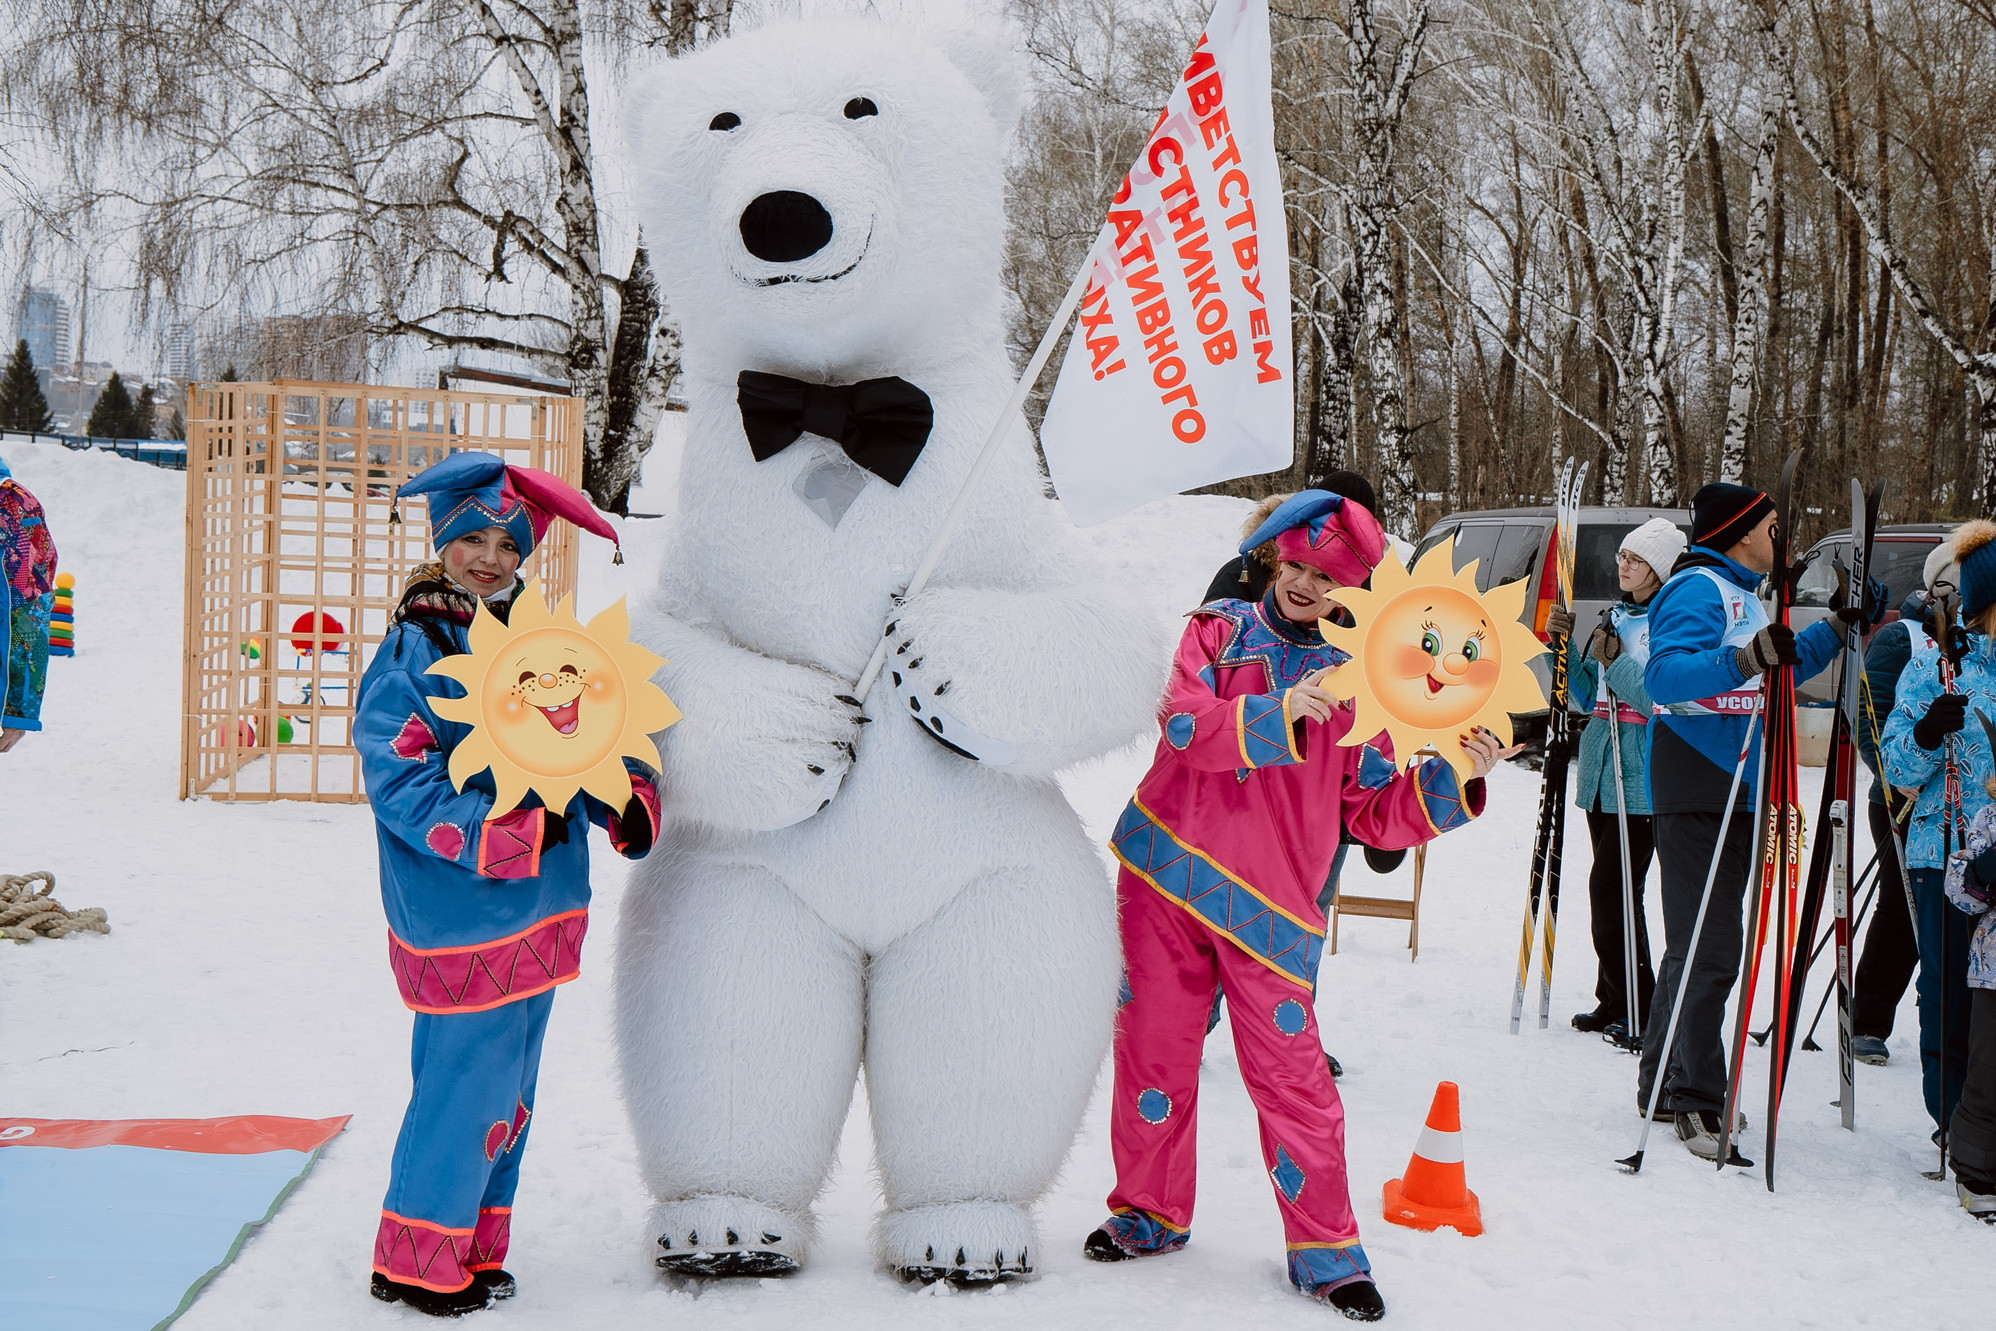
(486, 914)
(1604, 680)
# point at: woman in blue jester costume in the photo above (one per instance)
(485, 915)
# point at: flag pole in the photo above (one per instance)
(1031, 375)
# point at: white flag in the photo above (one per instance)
(1180, 372)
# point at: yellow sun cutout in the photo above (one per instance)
(554, 706)
(1430, 657)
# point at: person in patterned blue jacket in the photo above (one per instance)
(1710, 639)
(486, 914)
(27, 580)
(1927, 727)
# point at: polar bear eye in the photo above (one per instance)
(861, 107)
(725, 120)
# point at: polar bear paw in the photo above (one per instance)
(967, 1244)
(923, 694)
(707, 1237)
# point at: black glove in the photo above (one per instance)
(1605, 645)
(634, 825)
(554, 830)
(1980, 880)
(1772, 646)
(1871, 607)
(1945, 715)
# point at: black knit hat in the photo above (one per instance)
(1721, 514)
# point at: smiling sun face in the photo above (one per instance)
(554, 706)
(1430, 657)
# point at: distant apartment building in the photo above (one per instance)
(41, 319)
(180, 363)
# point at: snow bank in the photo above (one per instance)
(246, 974)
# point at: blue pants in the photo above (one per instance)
(449, 1207)
(1944, 933)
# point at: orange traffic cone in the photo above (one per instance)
(1435, 1191)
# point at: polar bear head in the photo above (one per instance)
(825, 199)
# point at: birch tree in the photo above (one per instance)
(429, 167)
(1977, 363)
(1380, 86)
(1749, 321)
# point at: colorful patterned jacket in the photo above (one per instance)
(1243, 807)
(27, 575)
(1910, 767)
(481, 911)
(1982, 946)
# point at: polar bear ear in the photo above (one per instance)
(991, 69)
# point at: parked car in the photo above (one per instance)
(1898, 553)
(1510, 543)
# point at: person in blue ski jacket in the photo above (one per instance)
(27, 586)
(1928, 725)
(486, 914)
(1710, 640)
(1604, 680)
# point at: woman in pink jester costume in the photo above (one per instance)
(485, 915)
(1223, 850)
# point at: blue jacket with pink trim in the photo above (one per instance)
(460, 887)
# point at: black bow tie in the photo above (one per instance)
(882, 424)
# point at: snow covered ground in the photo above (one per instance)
(245, 974)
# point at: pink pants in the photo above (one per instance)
(1173, 961)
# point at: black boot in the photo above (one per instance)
(1358, 1300)
(1101, 1247)
(436, 1303)
(499, 1284)
(1593, 1022)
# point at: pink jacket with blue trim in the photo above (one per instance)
(1243, 807)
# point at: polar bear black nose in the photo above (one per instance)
(785, 226)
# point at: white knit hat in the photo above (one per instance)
(1657, 543)
(1940, 565)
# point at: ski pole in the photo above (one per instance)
(1953, 646)
(1759, 1037)
(1634, 1163)
(1829, 990)
(1622, 826)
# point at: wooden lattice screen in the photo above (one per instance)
(288, 497)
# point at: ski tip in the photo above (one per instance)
(1632, 1164)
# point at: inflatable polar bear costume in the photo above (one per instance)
(942, 921)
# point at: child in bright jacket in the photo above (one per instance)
(1223, 850)
(485, 915)
(27, 582)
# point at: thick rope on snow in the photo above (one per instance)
(27, 911)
